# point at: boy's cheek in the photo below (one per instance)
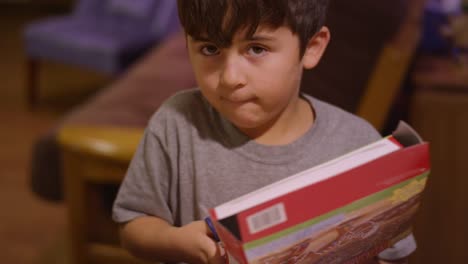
(206, 72)
(208, 81)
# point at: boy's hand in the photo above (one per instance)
(155, 240)
(196, 238)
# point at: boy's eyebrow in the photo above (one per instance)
(260, 38)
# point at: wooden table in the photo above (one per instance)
(95, 157)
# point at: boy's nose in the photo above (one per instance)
(232, 74)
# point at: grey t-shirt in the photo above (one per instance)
(191, 159)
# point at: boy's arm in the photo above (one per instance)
(153, 239)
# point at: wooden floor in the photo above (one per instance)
(31, 230)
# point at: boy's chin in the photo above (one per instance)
(244, 124)
(246, 119)
(247, 126)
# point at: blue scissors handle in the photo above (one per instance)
(212, 228)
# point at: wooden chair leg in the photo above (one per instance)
(76, 202)
(32, 83)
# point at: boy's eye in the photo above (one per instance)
(257, 51)
(209, 50)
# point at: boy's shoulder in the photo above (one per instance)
(179, 108)
(182, 100)
(180, 103)
(341, 122)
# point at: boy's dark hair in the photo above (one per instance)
(219, 20)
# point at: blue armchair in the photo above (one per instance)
(105, 36)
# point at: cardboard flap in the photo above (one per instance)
(406, 135)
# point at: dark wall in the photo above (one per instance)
(359, 29)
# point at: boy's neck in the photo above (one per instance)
(288, 127)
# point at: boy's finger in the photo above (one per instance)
(205, 229)
(218, 259)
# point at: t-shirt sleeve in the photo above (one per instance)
(145, 188)
(399, 250)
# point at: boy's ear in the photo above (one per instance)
(315, 48)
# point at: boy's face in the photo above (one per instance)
(254, 82)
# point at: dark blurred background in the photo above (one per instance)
(32, 230)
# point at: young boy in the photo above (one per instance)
(247, 125)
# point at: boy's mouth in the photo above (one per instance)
(237, 100)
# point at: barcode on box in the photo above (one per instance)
(267, 218)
